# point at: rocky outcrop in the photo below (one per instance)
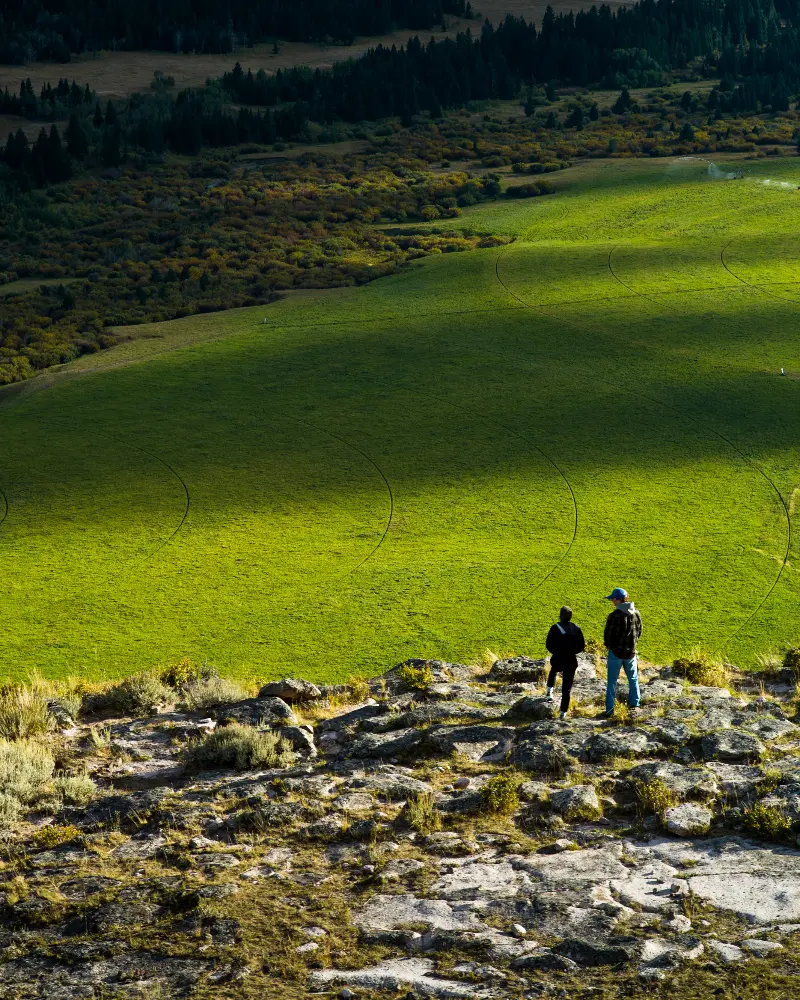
(451, 841)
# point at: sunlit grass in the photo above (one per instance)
(395, 470)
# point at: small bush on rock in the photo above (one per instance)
(239, 747)
(9, 810)
(202, 693)
(76, 790)
(416, 678)
(500, 795)
(791, 662)
(421, 813)
(26, 770)
(653, 798)
(142, 694)
(180, 675)
(23, 713)
(52, 836)
(767, 822)
(699, 668)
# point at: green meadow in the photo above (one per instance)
(433, 463)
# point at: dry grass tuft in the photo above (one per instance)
(24, 713)
(702, 668)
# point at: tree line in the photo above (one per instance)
(53, 29)
(51, 102)
(614, 48)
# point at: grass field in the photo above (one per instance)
(433, 463)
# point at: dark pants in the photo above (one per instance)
(566, 686)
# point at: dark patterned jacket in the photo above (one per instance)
(623, 628)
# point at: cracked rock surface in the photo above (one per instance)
(448, 840)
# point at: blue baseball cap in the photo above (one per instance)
(618, 594)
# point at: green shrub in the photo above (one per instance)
(9, 810)
(24, 713)
(239, 747)
(653, 798)
(416, 678)
(767, 822)
(75, 790)
(791, 662)
(54, 835)
(421, 814)
(202, 693)
(500, 795)
(26, 769)
(700, 668)
(142, 694)
(180, 675)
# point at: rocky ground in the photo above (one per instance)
(452, 841)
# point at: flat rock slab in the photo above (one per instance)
(686, 782)
(732, 745)
(578, 868)
(760, 884)
(385, 912)
(385, 744)
(737, 780)
(480, 879)
(416, 974)
(620, 743)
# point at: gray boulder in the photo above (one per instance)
(737, 780)
(518, 669)
(531, 709)
(671, 733)
(300, 738)
(544, 960)
(353, 718)
(688, 820)
(686, 782)
(612, 951)
(619, 743)
(732, 745)
(258, 712)
(384, 744)
(487, 743)
(290, 689)
(545, 757)
(576, 802)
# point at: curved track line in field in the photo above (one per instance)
(560, 472)
(380, 472)
(4, 500)
(617, 277)
(177, 475)
(688, 416)
(527, 596)
(751, 284)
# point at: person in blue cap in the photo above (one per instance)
(622, 632)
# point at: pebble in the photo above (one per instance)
(461, 783)
(519, 931)
(307, 948)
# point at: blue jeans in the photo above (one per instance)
(631, 668)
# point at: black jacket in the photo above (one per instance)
(564, 642)
(623, 628)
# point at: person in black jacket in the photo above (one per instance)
(564, 642)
